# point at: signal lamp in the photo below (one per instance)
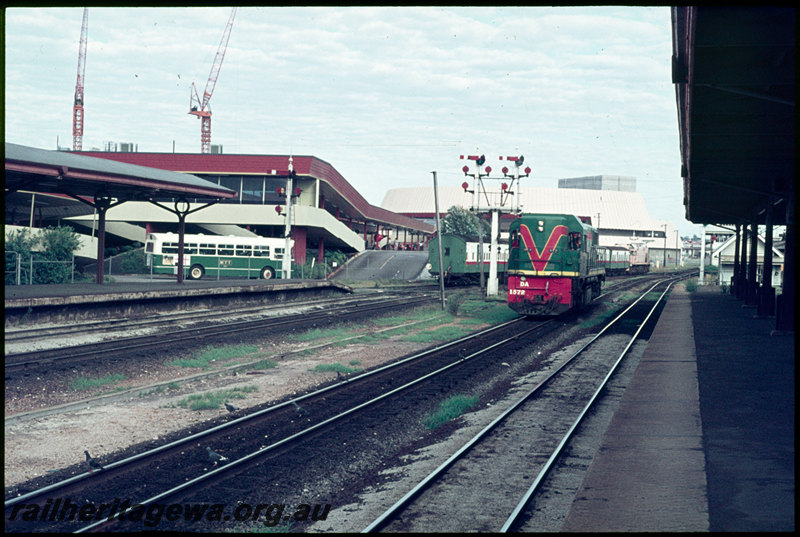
(279, 191)
(488, 169)
(297, 191)
(278, 209)
(505, 170)
(520, 160)
(465, 169)
(504, 186)
(465, 185)
(481, 160)
(527, 169)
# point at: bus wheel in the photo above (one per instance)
(196, 272)
(267, 273)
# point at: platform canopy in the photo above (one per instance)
(46, 171)
(734, 73)
(102, 184)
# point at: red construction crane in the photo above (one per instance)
(77, 108)
(200, 108)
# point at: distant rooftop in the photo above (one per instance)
(622, 183)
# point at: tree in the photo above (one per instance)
(58, 245)
(461, 221)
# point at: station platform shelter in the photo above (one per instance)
(327, 211)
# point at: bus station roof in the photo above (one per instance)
(47, 171)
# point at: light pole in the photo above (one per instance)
(665, 245)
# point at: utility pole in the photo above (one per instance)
(665, 245)
(439, 241)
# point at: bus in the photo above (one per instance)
(216, 255)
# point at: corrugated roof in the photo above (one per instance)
(617, 209)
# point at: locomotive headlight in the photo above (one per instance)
(541, 225)
(522, 278)
(428, 266)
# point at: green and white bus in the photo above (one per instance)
(216, 255)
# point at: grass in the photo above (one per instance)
(83, 383)
(441, 333)
(206, 357)
(339, 368)
(450, 409)
(419, 314)
(691, 286)
(214, 400)
(327, 334)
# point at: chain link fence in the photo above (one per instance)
(22, 269)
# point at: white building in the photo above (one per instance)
(724, 256)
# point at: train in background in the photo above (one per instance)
(624, 260)
(553, 264)
(460, 258)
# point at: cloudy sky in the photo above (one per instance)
(385, 95)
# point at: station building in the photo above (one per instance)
(327, 212)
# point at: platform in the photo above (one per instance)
(703, 439)
(132, 297)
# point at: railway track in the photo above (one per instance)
(204, 330)
(492, 480)
(158, 321)
(287, 426)
(243, 439)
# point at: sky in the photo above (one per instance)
(386, 95)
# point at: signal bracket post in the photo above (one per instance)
(495, 205)
(286, 267)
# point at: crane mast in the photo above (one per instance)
(201, 108)
(77, 107)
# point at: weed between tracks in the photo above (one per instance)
(209, 355)
(337, 367)
(214, 400)
(450, 409)
(83, 383)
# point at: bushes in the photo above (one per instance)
(317, 271)
(49, 255)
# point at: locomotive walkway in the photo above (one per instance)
(703, 439)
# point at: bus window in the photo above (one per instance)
(279, 253)
(260, 251)
(190, 249)
(226, 249)
(169, 248)
(244, 250)
(208, 249)
(149, 247)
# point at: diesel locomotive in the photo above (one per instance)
(553, 264)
